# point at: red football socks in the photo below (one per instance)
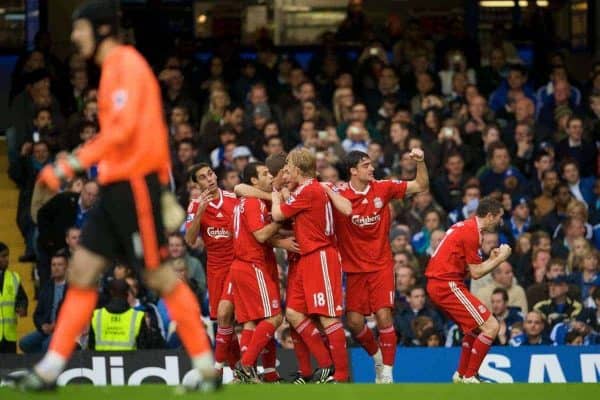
(387, 343)
(245, 340)
(480, 348)
(302, 354)
(223, 344)
(367, 340)
(465, 354)
(337, 348)
(234, 350)
(311, 336)
(263, 334)
(269, 362)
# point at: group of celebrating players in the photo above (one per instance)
(325, 230)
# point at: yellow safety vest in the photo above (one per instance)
(8, 316)
(116, 332)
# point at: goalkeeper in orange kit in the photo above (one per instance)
(132, 155)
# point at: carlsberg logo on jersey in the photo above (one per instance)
(218, 233)
(365, 221)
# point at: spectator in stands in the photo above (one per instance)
(470, 200)
(503, 278)
(576, 147)
(559, 306)
(574, 228)
(520, 221)
(582, 188)
(544, 203)
(24, 173)
(117, 326)
(174, 94)
(177, 249)
(514, 87)
(492, 75)
(587, 275)
(65, 210)
(533, 331)
(421, 241)
(49, 301)
(450, 187)
(228, 179)
(561, 98)
(187, 154)
(500, 174)
(416, 307)
(13, 303)
(405, 280)
(506, 315)
(72, 238)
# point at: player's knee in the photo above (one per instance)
(293, 316)
(225, 313)
(162, 280)
(355, 322)
(276, 320)
(491, 327)
(384, 317)
(85, 268)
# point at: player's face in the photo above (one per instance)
(494, 221)
(294, 173)
(265, 179)
(206, 179)
(83, 38)
(364, 171)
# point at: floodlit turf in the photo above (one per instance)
(329, 392)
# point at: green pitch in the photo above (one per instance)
(328, 392)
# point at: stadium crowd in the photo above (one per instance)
(489, 123)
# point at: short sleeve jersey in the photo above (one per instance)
(251, 214)
(457, 249)
(363, 236)
(216, 229)
(313, 216)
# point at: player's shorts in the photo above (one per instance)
(367, 292)
(315, 287)
(218, 282)
(256, 293)
(455, 300)
(126, 223)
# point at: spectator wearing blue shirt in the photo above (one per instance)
(514, 85)
(561, 99)
(581, 188)
(533, 331)
(506, 316)
(545, 93)
(470, 199)
(576, 147)
(416, 307)
(581, 326)
(518, 223)
(499, 174)
(587, 277)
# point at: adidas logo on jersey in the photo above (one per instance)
(220, 215)
(365, 201)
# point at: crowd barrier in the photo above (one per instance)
(503, 364)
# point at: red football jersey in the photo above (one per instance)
(363, 236)
(216, 228)
(313, 223)
(251, 215)
(458, 248)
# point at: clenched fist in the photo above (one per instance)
(417, 155)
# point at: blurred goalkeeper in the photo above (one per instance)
(132, 155)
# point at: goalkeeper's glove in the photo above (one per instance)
(173, 214)
(54, 175)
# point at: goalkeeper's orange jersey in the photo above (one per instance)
(133, 140)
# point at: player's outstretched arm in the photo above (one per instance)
(340, 203)
(421, 181)
(497, 257)
(245, 190)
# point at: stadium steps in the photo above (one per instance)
(9, 234)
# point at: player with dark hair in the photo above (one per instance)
(367, 256)
(132, 154)
(456, 256)
(210, 216)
